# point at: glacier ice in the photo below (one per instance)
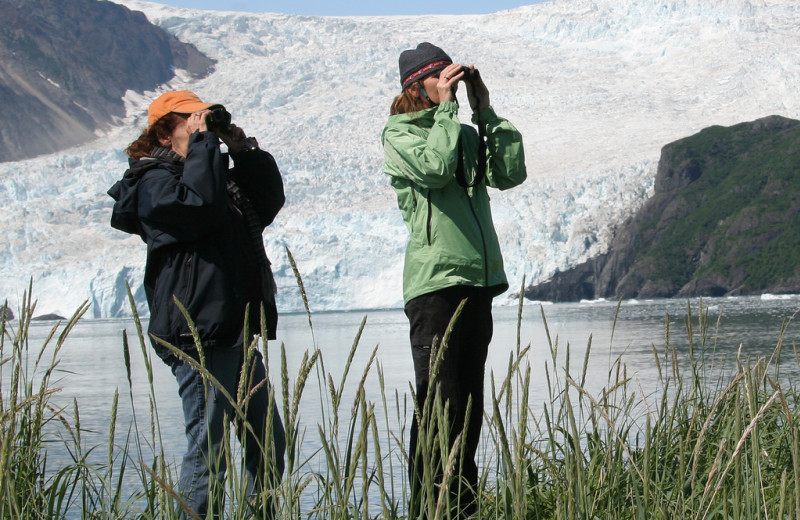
(595, 86)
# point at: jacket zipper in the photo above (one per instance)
(430, 217)
(188, 282)
(483, 240)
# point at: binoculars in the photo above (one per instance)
(470, 74)
(218, 119)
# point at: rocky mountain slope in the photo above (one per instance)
(65, 66)
(723, 220)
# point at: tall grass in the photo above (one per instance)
(702, 442)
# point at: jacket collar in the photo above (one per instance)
(166, 154)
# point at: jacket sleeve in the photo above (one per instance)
(505, 164)
(431, 162)
(257, 174)
(190, 204)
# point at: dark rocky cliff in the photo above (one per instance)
(724, 219)
(65, 65)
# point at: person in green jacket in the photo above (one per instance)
(440, 169)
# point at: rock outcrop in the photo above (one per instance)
(66, 64)
(723, 220)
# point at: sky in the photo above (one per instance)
(355, 7)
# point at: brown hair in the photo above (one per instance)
(161, 129)
(407, 102)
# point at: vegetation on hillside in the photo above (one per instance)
(744, 209)
(722, 220)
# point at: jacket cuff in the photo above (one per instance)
(448, 106)
(249, 145)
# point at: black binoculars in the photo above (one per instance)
(218, 119)
(470, 74)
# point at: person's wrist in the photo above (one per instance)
(481, 106)
(245, 145)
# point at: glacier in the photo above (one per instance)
(596, 87)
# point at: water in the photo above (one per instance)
(91, 366)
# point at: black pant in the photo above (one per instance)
(459, 379)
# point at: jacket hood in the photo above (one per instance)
(423, 118)
(125, 215)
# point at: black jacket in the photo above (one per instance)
(199, 250)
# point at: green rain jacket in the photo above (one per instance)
(453, 240)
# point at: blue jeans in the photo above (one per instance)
(206, 410)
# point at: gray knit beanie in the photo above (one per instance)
(423, 61)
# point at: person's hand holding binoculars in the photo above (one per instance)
(448, 81)
(218, 120)
(477, 93)
(234, 138)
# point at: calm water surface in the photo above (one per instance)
(92, 366)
